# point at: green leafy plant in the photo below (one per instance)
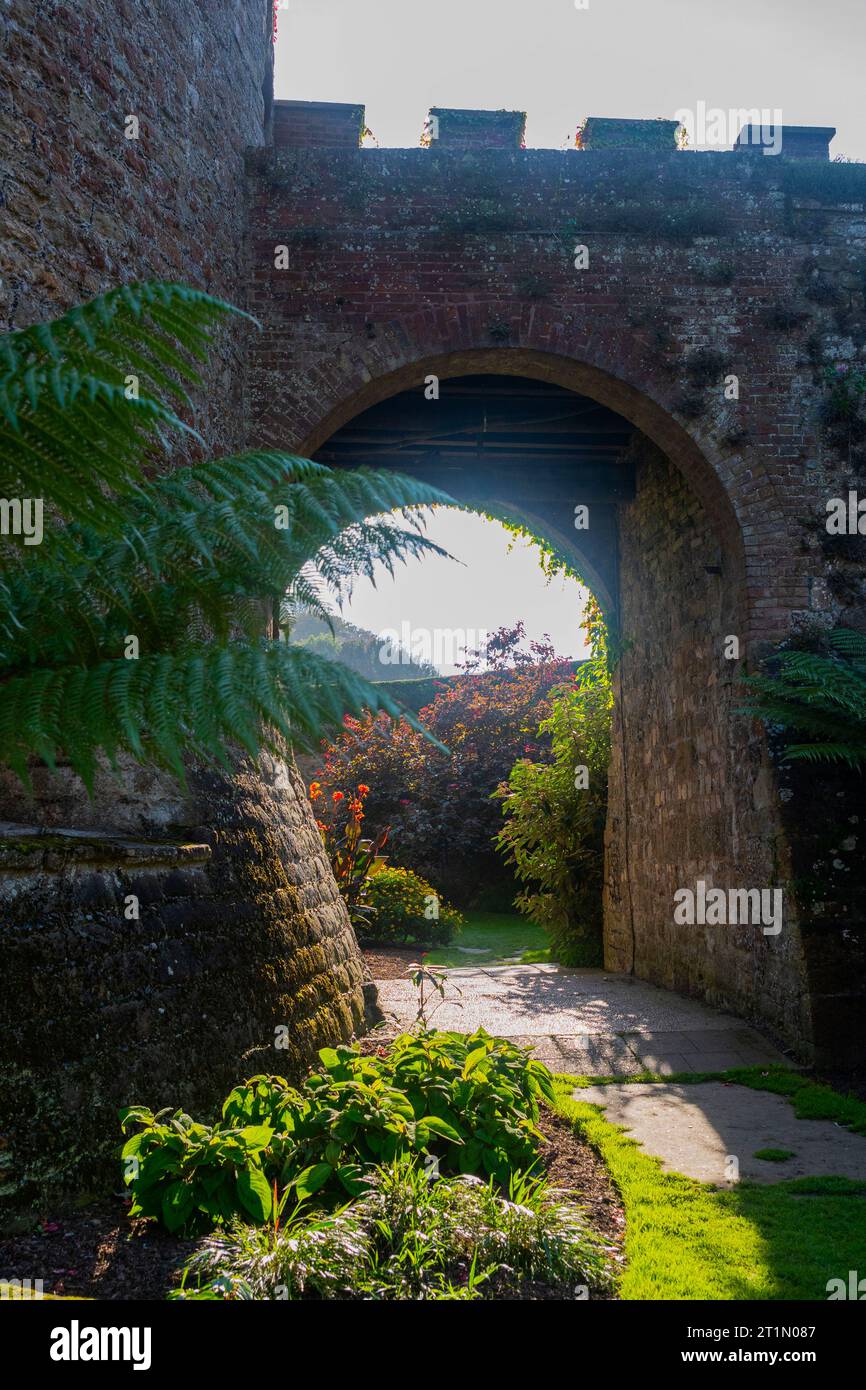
(78, 395)
(470, 1102)
(192, 1176)
(136, 626)
(406, 908)
(485, 1089)
(342, 1119)
(427, 982)
(408, 1237)
(818, 695)
(555, 812)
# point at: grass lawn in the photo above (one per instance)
(687, 1240)
(493, 938)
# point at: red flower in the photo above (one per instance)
(315, 790)
(337, 796)
(363, 789)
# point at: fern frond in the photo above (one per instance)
(188, 559)
(183, 562)
(200, 701)
(819, 695)
(100, 334)
(852, 754)
(72, 429)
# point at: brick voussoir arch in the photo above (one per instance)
(455, 341)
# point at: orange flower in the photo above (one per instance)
(356, 809)
(337, 796)
(315, 790)
(363, 789)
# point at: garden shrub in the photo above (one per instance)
(404, 908)
(554, 830)
(408, 1237)
(470, 1101)
(438, 804)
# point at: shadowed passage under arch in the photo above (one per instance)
(532, 451)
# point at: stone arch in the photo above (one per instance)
(691, 791)
(617, 376)
(697, 461)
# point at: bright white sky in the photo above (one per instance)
(628, 58)
(498, 582)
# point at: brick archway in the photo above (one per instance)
(691, 793)
(707, 479)
(459, 259)
(309, 413)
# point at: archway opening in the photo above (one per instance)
(690, 796)
(536, 437)
(527, 450)
(552, 466)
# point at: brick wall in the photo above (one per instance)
(461, 260)
(85, 208)
(692, 793)
(170, 1010)
(312, 124)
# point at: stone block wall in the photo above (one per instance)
(82, 206)
(239, 961)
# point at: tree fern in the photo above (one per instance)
(190, 558)
(183, 562)
(819, 695)
(76, 427)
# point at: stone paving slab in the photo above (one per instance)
(547, 999)
(696, 1129)
(584, 1054)
(587, 1022)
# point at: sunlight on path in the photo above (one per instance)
(588, 1022)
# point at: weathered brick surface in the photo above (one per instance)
(461, 261)
(84, 208)
(257, 934)
(691, 792)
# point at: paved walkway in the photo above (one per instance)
(588, 1022)
(698, 1130)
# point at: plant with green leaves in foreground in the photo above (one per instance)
(409, 1237)
(471, 1102)
(192, 1177)
(819, 696)
(487, 1089)
(136, 626)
